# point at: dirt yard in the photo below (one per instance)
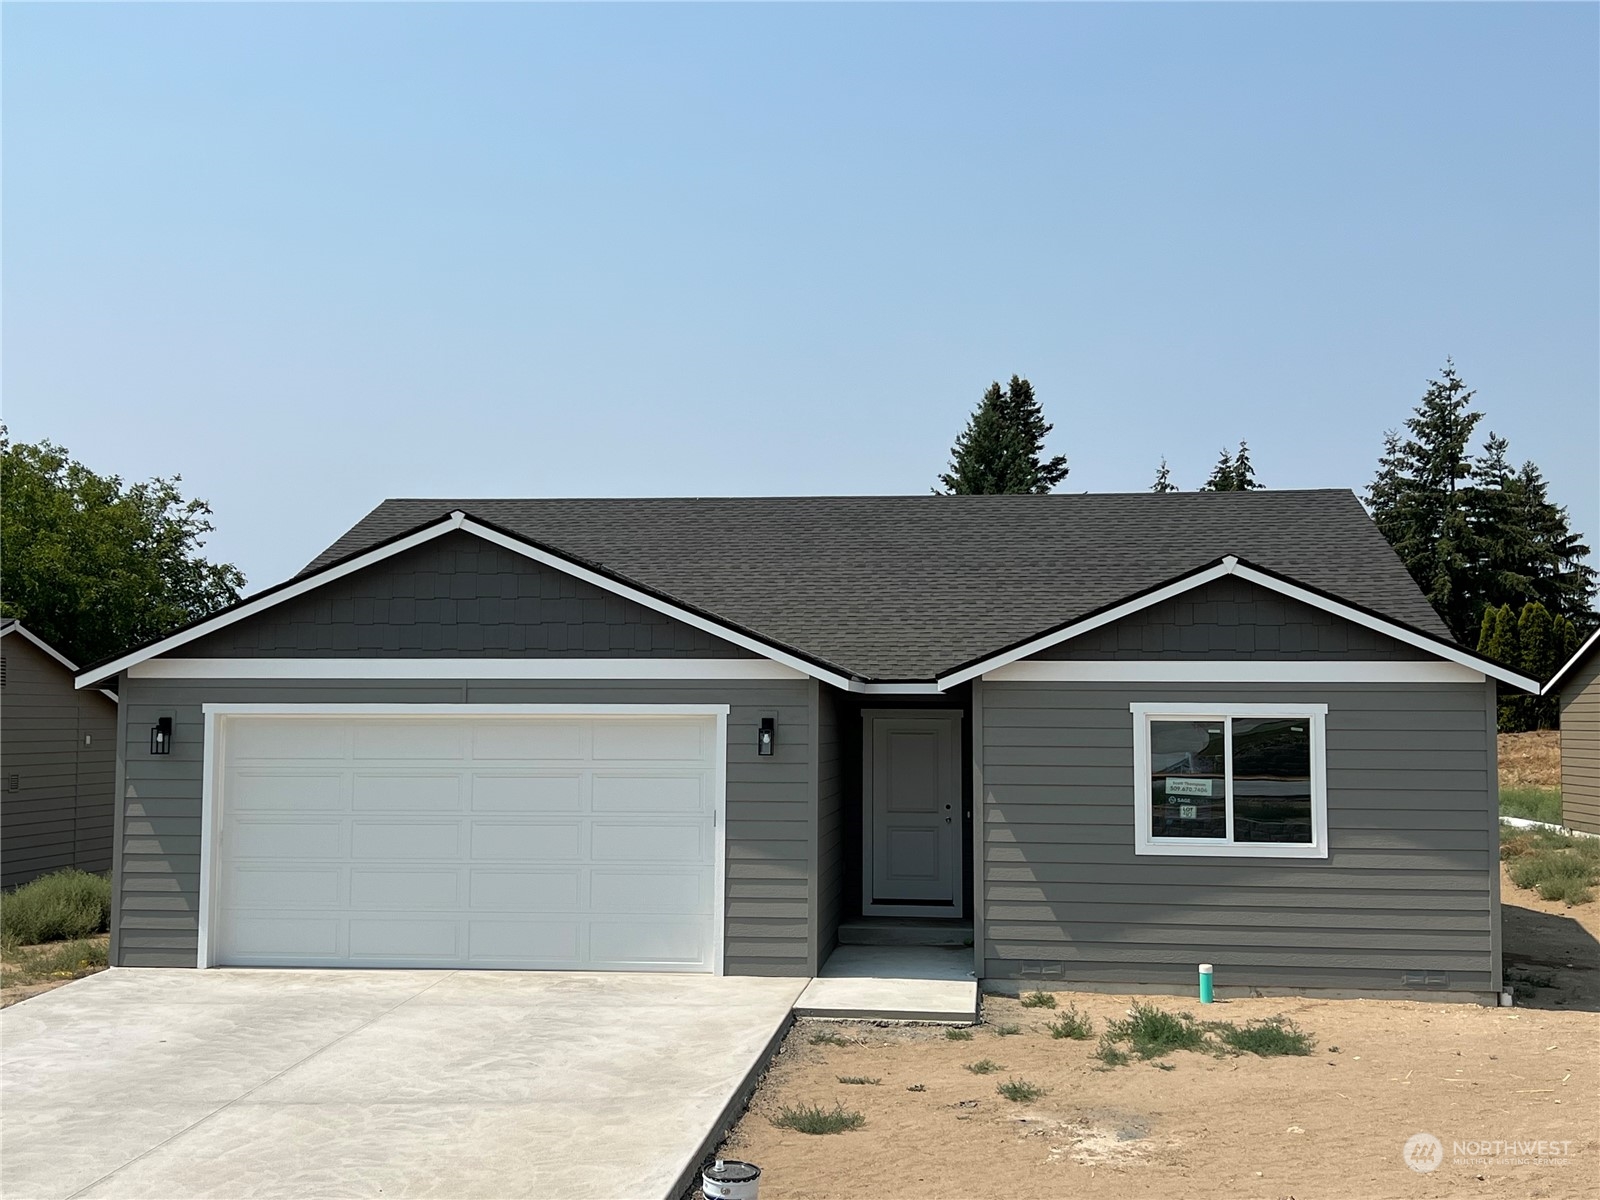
(29, 970)
(1530, 759)
(1332, 1124)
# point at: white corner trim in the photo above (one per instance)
(1570, 663)
(1144, 844)
(212, 798)
(1230, 565)
(573, 669)
(458, 520)
(1311, 671)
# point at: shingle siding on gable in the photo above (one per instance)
(1232, 619)
(459, 595)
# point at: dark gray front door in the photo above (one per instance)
(912, 834)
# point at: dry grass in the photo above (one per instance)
(28, 970)
(1530, 760)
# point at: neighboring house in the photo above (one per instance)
(1577, 686)
(57, 762)
(1114, 736)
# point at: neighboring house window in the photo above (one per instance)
(1241, 780)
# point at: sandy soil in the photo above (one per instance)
(17, 983)
(1329, 1125)
(1530, 759)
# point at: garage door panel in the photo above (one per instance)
(653, 793)
(527, 942)
(280, 937)
(392, 841)
(383, 792)
(551, 739)
(648, 943)
(299, 739)
(283, 839)
(283, 887)
(404, 939)
(682, 893)
(508, 842)
(527, 793)
(655, 842)
(630, 741)
(528, 891)
(407, 740)
(412, 888)
(543, 841)
(278, 791)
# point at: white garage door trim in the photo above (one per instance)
(211, 789)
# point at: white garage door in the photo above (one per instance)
(506, 841)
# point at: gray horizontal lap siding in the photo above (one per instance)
(1580, 747)
(770, 801)
(459, 595)
(60, 814)
(1232, 619)
(1407, 889)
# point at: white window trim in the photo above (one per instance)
(1143, 843)
(211, 791)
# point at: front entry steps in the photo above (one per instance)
(905, 931)
(894, 983)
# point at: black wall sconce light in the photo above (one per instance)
(767, 737)
(161, 736)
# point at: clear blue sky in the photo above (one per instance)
(310, 256)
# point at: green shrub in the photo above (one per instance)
(1556, 865)
(1270, 1038)
(1072, 1024)
(958, 1035)
(1151, 1032)
(1008, 1030)
(1038, 1000)
(861, 1080)
(984, 1066)
(1019, 1091)
(813, 1118)
(1110, 1054)
(55, 908)
(1532, 803)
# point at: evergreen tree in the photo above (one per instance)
(1244, 472)
(1163, 481)
(1221, 475)
(1504, 648)
(1002, 448)
(1233, 472)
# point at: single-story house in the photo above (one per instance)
(57, 762)
(1112, 736)
(1577, 688)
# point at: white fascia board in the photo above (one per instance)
(1242, 671)
(19, 627)
(251, 608)
(1398, 632)
(1230, 565)
(899, 689)
(617, 588)
(685, 669)
(1116, 613)
(459, 521)
(1570, 663)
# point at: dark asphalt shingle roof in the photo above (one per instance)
(904, 587)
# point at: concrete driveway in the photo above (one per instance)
(233, 1083)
